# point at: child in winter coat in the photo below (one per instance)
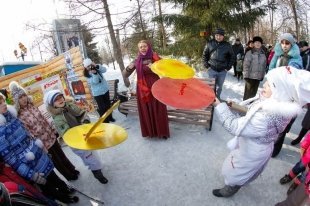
(38, 127)
(67, 114)
(286, 53)
(27, 156)
(296, 172)
(285, 90)
(239, 66)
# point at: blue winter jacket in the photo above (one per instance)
(15, 144)
(294, 54)
(97, 82)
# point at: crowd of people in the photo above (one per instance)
(260, 134)
(29, 144)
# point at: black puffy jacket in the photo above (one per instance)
(222, 58)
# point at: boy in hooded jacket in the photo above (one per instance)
(66, 114)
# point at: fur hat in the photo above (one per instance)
(289, 84)
(16, 91)
(50, 96)
(219, 31)
(87, 62)
(287, 36)
(257, 38)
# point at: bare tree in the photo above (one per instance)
(162, 27)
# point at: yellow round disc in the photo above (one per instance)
(104, 136)
(173, 69)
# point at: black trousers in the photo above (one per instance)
(278, 144)
(250, 89)
(104, 103)
(55, 188)
(235, 68)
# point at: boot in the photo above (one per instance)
(291, 188)
(99, 176)
(285, 179)
(226, 191)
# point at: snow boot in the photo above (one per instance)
(226, 191)
(99, 176)
(285, 179)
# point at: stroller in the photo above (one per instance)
(15, 191)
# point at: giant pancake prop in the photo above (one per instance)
(183, 93)
(178, 88)
(172, 68)
(96, 135)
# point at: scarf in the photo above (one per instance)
(143, 89)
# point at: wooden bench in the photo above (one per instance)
(199, 117)
(113, 89)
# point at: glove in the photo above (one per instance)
(38, 178)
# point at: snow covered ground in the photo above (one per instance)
(182, 170)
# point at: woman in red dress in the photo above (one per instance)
(152, 113)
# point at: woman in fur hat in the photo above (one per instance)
(67, 114)
(27, 156)
(254, 66)
(38, 127)
(283, 94)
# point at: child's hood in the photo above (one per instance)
(56, 111)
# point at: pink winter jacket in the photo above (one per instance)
(305, 159)
(37, 125)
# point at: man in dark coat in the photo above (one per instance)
(218, 57)
(238, 49)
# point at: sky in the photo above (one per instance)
(14, 15)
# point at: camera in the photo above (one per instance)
(92, 67)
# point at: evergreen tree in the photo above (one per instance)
(91, 47)
(131, 42)
(206, 15)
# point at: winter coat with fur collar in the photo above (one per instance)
(257, 131)
(294, 57)
(37, 125)
(18, 150)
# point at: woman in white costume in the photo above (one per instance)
(285, 92)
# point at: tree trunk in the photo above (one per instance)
(293, 7)
(141, 20)
(162, 28)
(116, 47)
(271, 25)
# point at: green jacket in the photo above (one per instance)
(60, 122)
